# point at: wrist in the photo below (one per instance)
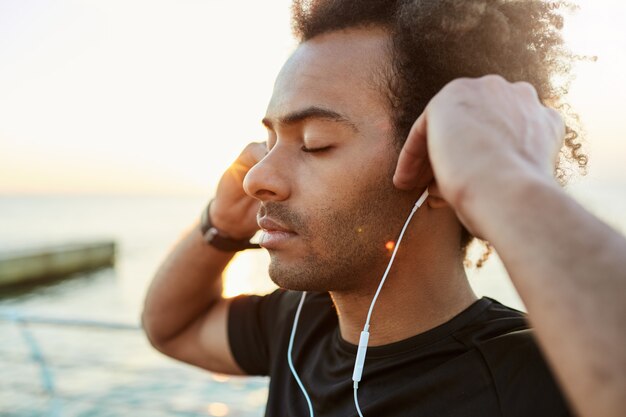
(217, 238)
(227, 228)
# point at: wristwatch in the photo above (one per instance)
(212, 236)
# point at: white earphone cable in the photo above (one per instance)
(359, 363)
(417, 205)
(291, 338)
(356, 400)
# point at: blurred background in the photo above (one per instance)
(117, 119)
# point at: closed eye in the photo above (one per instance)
(314, 150)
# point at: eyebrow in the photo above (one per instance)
(313, 112)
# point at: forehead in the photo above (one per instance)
(340, 70)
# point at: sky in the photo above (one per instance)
(159, 97)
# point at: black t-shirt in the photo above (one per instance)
(484, 362)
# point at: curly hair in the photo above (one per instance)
(434, 42)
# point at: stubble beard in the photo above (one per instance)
(346, 243)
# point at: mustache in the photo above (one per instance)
(283, 215)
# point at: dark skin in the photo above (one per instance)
(471, 131)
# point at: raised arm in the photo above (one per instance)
(492, 148)
(185, 315)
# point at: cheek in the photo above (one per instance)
(354, 209)
(346, 185)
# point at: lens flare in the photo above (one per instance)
(390, 245)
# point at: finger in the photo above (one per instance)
(413, 156)
(527, 90)
(252, 154)
(248, 158)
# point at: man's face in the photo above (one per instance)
(328, 207)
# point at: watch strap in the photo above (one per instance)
(212, 236)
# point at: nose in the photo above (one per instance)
(268, 180)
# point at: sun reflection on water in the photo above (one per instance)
(217, 409)
(247, 273)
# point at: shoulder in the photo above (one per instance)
(259, 325)
(520, 373)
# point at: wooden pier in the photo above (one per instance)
(40, 265)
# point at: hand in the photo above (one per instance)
(232, 211)
(477, 136)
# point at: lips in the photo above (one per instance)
(271, 226)
(274, 234)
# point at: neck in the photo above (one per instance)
(410, 303)
(426, 287)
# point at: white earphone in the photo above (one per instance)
(360, 356)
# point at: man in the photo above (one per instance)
(322, 189)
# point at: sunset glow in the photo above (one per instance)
(160, 97)
(133, 97)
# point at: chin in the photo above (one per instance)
(308, 276)
(294, 279)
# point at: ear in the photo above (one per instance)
(435, 199)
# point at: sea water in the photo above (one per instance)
(51, 367)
